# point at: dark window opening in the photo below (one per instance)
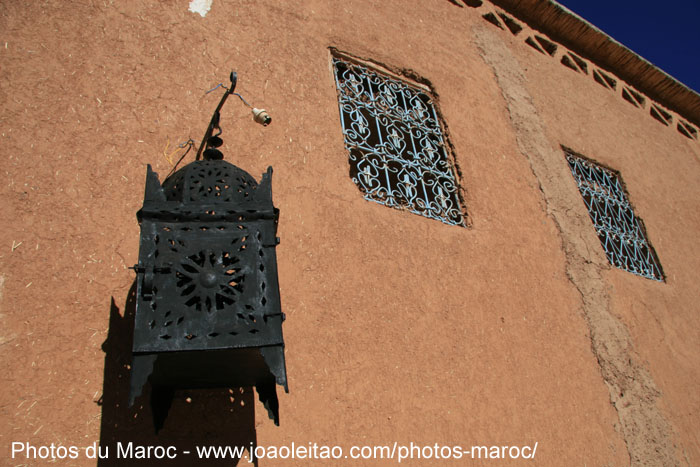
(583, 66)
(661, 115)
(604, 80)
(687, 130)
(633, 97)
(532, 43)
(547, 45)
(575, 63)
(513, 25)
(566, 61)
(493, 19)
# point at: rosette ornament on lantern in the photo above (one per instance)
(208, 308)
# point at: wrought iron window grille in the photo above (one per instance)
(621, 232)
(397, 150)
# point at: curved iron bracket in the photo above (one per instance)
(214, 123)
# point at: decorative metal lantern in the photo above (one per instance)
(208, 307)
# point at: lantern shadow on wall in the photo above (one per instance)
(202, 417)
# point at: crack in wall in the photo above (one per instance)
(633, 393)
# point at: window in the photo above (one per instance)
(398, 156)
(620, 232)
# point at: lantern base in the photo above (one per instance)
(262, 367)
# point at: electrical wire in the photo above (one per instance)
(189, 144)
(221, 85)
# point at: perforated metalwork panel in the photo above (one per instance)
(207, 262)
(621, 233)
(213, 181)
(397, 150)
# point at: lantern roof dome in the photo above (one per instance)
(208, 181)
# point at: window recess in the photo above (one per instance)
(621, 232)
(397, 150)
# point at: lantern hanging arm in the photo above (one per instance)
(212, 141)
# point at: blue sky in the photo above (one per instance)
(665, 33)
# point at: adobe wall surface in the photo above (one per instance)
(399, 328)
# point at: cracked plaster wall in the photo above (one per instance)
(633, 393)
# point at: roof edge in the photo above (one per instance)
(580, 36)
